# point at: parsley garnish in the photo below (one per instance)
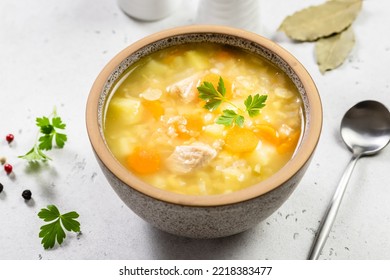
(254, 104)
(50, 128)
(54, 230)
(229, 117)
(215, 97)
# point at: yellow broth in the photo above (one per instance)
(156, 125)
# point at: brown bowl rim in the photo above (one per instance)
(302, 155)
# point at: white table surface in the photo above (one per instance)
(50, 54)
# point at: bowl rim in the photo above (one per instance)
(302, 155)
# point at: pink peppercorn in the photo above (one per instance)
(8, 168)
(10, 137)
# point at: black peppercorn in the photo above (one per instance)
(1, 187)
(26, 194)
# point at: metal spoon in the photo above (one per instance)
(365, 129)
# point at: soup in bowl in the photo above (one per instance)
(204, 131)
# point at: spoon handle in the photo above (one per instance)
(331, 212)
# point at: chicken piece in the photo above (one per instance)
(186, 88)
(187, 158)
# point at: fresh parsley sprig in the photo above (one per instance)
(52, 232)
(51, 129)
(254, 104)
(215, 97)
(230, 117)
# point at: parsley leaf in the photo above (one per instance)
(229, 117)
(50, 128)
(45, 142)
(61, 139)
(212, 96)
(254, 104)
(52, 232)
(44, 124)
(221, 86)
(57, 123)
(215, 97)
(35, 154)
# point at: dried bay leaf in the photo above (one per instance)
(332, 51)
(321, 21)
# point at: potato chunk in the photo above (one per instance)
(128, 109)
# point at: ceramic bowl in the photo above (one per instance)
(204, 216)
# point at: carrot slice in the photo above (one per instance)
(194, 123)
(224, 55)
(289, 144)
(267, 133)
(144, 161)
(241, 140)
(193, 127)
(154, 107)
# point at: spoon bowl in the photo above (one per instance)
(365, 129)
